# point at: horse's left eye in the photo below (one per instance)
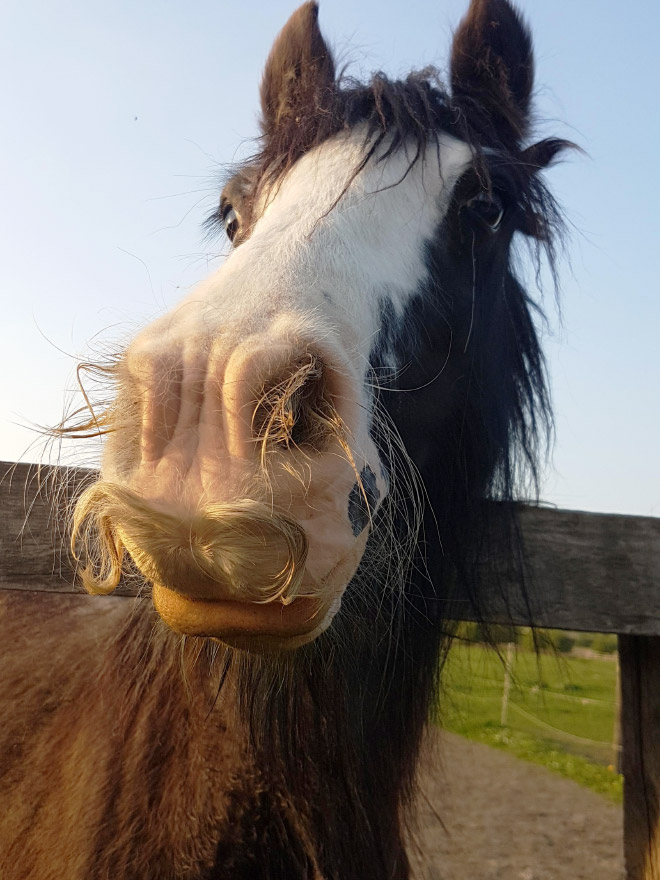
(488, 208)
(230, 221)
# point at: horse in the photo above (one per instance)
(306, 461)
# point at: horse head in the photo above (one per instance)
(361, 365)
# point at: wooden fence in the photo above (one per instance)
(593, 572)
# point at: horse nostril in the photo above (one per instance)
(295, 409)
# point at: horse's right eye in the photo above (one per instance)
(488, 207)
(230, 221)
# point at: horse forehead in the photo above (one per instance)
(367, 229)
(322, 194)
(329, 240)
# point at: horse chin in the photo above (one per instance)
(252, 626)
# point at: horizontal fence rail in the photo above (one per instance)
(596, 572)
(588, 571)
(34, 504)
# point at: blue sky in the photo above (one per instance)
(117, 119)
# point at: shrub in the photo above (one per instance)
(604, 643)
(564, 643)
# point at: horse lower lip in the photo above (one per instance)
(225, 619)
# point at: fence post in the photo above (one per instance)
(507, 683)
(616, 732)
(639, 658)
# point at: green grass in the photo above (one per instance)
(561, 711)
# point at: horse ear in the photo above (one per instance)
(300, 71)
(492, 71)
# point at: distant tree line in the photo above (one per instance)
(548, 640)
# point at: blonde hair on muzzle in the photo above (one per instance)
(240, 550)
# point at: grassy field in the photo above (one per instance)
(560, 711)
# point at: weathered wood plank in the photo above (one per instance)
(32, 544)
(639, 657)
(598, 572)
(588, 571)
(34, 552)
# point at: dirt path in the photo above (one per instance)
(505, 819)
